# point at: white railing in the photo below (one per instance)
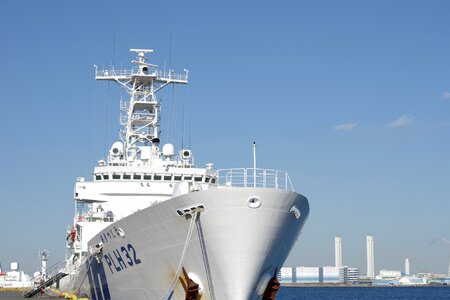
(249, 177)
(166, 75)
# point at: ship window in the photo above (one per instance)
(116, 176)
(207, 179)
(213, 180)
(187, 177)
(98, 177)
(157, 177)
(126, 176)
(136, 176)
(168, 177)
(198, 178)
(147, 177)
(105, 177)
(177, 178)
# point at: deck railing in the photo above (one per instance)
(112, 72)
(249, 177)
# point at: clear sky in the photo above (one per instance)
(352, 98)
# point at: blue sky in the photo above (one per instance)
(352, 98)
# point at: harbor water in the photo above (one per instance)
(363, 293)
(334, 293)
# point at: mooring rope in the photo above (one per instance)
(168, 293)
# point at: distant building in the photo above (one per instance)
(287, 275)
(338, 251)
(330, 275)
(406, 266)
(370, 257)
(412, 280)
(349, 275)
(389, 274)
(309, 275)
(316, 275)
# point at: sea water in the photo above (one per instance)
(350, 293)
(335, 293)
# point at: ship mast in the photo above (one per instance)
(140, 116)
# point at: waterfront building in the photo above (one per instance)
(406, 266)
(287, 275)
(370, 257)
(389, 274)
(349, 275)
(338, 251)
(309, 274)
(330, 275)
(412, 280)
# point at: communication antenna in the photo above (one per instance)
(254, 164)
(182, 126)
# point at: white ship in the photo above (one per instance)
(152, 225)
(14, 279)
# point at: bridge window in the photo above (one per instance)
(105, 176)
(177, 177)
(126, 176)
(157, 177)
(136, 176)
(196, 178)
(98, 177)
(187, 177)
(116, 176)
(147, 177)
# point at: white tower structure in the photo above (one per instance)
(338, 251)
(406, 266)
(448, 269)
(370, 257)
(44, 259)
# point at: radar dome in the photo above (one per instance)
(168, 150)
(14, 266)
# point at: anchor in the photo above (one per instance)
(272, 288)
(190, 287)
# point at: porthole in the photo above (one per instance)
(254, 202)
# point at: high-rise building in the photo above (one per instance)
(338, 251)
(448, 269)
(406, 266)
(370, 257)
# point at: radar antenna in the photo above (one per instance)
(141, 123)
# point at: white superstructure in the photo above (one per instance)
(14, 279)
(152, 225)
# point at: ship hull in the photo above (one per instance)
(232, 250)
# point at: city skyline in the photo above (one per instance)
(351, 98)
